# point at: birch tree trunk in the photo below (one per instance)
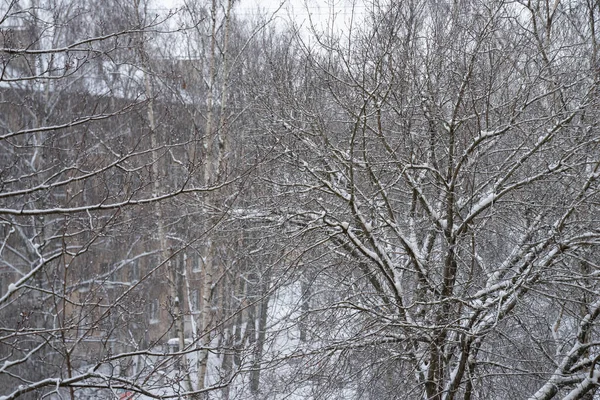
(215, 152)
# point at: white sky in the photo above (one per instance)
(322, 12)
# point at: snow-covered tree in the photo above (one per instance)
(110, 199)
(441, 162)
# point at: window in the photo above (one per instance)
(134, 271)
(195, 301)
(154, 311)
(110, 271)
(114, 273)
(196, 261)
(177, 260)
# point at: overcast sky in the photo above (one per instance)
(322, 12)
